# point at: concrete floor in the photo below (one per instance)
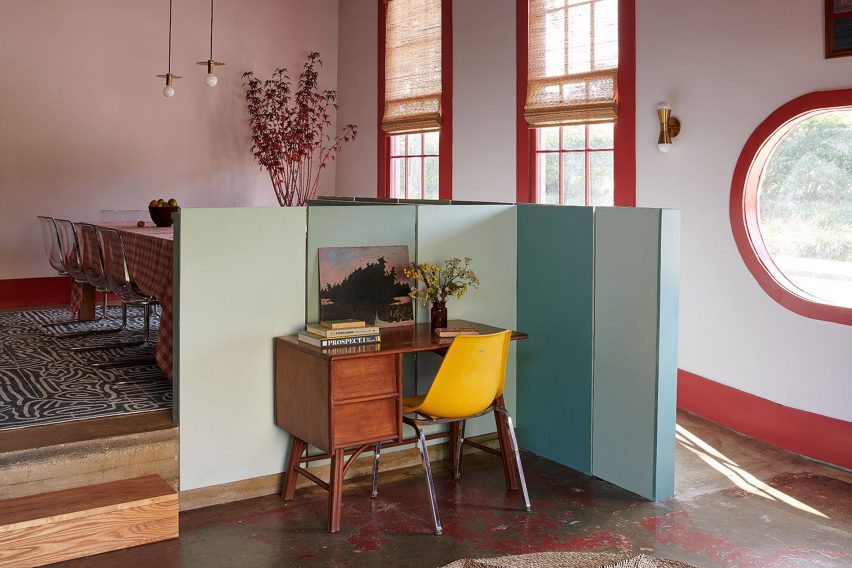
(739, 503)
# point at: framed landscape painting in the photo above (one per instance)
(365, 283)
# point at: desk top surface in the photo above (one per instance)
(403, 339)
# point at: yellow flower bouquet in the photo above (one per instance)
(437, 284)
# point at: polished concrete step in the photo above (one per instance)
(73, 523)
(41, 459)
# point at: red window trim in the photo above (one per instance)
(743, 206)
(445, 143)
(624, 158)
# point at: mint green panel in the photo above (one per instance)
(487, 234)
(555, 305)
(633, 411)
(353, 226)
(235, 290)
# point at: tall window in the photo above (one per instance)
(414, 166)
(574, 164)
(791, 205)
(571, 106)
(416, 106)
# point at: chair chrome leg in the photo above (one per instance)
(457, 469)
(146, 335)
(517, 452)
(122, 327)
(424, 453)
(376, 453)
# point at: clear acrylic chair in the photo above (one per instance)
(70, 247)
(60, 244)
(92, 264)
(50, 238)
(121, 284)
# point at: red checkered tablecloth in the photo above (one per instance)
(149, 259)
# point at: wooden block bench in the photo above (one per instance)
(61, 525)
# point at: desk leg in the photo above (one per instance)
(297, 448)
(506, 448)
(335, 490)
(87, 302)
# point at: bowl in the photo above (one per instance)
(162, 216)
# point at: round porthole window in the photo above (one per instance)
(791, 205)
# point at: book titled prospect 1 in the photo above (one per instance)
(322, 342)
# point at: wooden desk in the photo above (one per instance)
(345, 399)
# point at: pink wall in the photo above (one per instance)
(83, 123)
(725, 67)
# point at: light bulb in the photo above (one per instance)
(168, 91)
(664, 148)
(211, 80)
(665, 105)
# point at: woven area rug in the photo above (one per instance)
(42, 382)
(571, 560)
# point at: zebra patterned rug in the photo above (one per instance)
(43, 382)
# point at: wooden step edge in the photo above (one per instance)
(109, 496)
(46, 520)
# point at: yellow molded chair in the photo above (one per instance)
(468, 384)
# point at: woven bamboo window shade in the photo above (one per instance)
(573, 62)
(412, 66)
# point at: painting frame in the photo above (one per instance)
(838, 28)
(365, 283)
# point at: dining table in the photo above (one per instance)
(149, 256)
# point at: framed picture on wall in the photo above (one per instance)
(838, 28)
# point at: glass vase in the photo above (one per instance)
(439, 315)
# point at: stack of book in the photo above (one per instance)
(339, 333)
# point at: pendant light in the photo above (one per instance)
(211, 79)
(169, 90)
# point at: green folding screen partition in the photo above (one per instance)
(598, 294)
(596, 289)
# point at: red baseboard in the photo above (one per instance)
(23, 292)
(812, 435)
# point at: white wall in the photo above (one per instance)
(83, 123)
(484, 103)
(725, 66)
(483, 98)
(357, 85)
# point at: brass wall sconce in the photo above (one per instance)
(669, 127)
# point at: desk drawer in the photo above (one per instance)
(363, 377)
(361, 422)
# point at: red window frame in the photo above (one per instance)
(743, 206)
(406, 158)
(587, 151)
(445, 143)
(624, 135)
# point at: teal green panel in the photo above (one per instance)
(555, 307)
(353, 226)
(667, 356)
(627, 315)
